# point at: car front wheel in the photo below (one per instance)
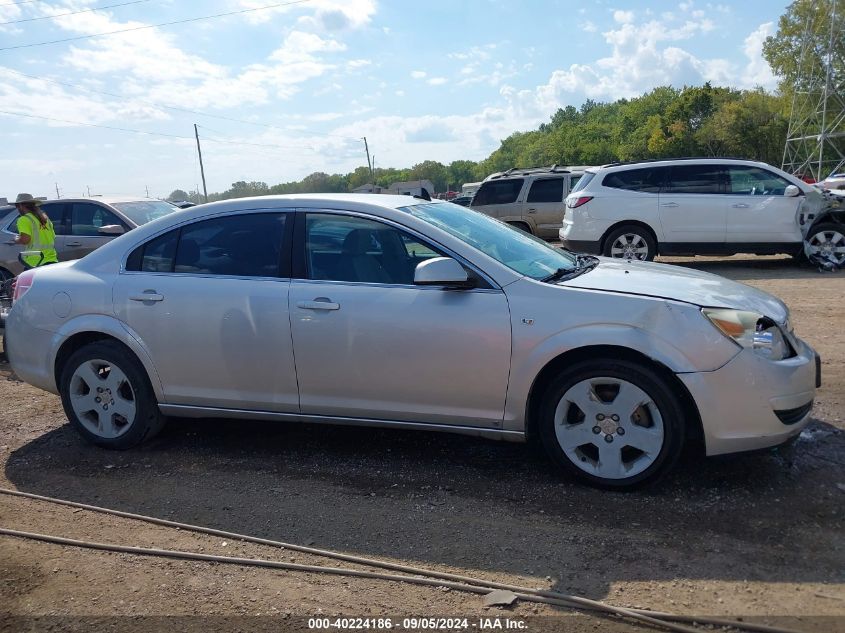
(107, 396)
(630, 242)
(827, 240)
(612, 424)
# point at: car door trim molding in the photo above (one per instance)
(188, 411)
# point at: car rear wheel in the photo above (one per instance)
(827, 241)
(107, 396)
(612, 424)
(630, 242)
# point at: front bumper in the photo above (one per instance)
(753, 403)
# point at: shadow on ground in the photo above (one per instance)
(435, 499)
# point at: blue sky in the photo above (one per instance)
(441, 80)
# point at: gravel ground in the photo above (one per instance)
(757, 536)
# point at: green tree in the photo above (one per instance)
(178, 195)
(784, 50)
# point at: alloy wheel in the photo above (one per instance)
(102, 398)
(629, 246)
(828, 244)
(609, 427)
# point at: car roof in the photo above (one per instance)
(386, 201)
(663, 162)
(517, 172)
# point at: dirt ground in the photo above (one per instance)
(758, 536)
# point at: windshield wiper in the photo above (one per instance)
(583, 264)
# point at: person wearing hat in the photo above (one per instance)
(35, 232)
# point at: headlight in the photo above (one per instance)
(751, 330)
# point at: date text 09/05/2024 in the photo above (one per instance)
(417, 624)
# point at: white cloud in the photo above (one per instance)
(437, 81)
(758, 72)
(623, 17)
(418, 74)
(330, 15)
(589, 27)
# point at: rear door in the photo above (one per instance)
(758, 212)
(83, 235)
(692, 207)
(544, 203)
(209, 301)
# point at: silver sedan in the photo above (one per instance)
(389, 311)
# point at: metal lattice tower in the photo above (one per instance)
(815, 141)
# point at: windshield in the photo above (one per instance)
(144, 211)
(516, 249)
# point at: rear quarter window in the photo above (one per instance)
(498, 192)
(648, 180)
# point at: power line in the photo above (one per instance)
(148, 133)
(153, 26)
(61, 15)
(169, 107)
(9, 4)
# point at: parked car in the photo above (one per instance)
(388, 311)
(464, 201)
(698, 206)
(529, 199)
(81, 224)
(833, 182)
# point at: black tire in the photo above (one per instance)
(827, 228)
(631, 230)
(655, 387)
(523, 226)
(147, 420)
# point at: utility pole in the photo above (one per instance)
(89, 190)
(202, 169)
(58, 195)
(148, 190)
(369, 163)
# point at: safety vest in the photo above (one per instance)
(42, 242)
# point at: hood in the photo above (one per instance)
(679, 284)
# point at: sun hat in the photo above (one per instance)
(26, 197)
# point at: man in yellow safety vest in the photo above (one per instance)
(35, 232)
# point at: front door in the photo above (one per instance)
(210, 303)
(691, 206)
(371, 344)
(758, 212)
(83, 235)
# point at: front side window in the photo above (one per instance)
(753, 181)
(546, 190)
(247, 245)
(345, 248)
(695, 179)
(498, 192)
(648, 180)
(87, 219)
(519, 251)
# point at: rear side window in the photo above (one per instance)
(695, 179)
(56, 213)
(648, 180)
(246, 245)
(546, 190)
(579, 182)
(498, 192)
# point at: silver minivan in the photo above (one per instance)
(82, 225)
(529, 199)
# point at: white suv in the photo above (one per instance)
(529, 199)
(697, 206)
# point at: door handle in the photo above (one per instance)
(320, 303)
(532, 210)
(739, 206)
(73, 243)
(147, 296)
(669, 205)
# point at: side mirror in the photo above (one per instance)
(111, 229)
(791, 191)
(442, 271)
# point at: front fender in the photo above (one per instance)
(109, 326)
(669, 333)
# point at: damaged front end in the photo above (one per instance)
(822, 222)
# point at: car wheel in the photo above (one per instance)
(612, 424)
(107, 396)
(630, 242)
(827, 241)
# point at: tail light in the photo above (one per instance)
(23, 283)
(574, 203)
